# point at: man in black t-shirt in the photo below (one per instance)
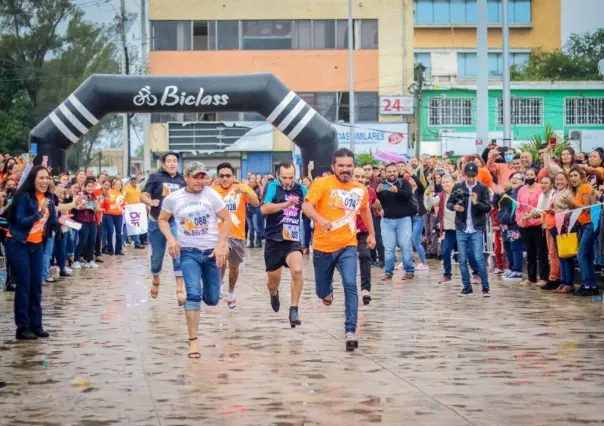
(282, 206)
(158, 186)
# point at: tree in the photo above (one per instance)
(578, 60)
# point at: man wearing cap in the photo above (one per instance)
(470, 201)
(132, 195)
(202, 248)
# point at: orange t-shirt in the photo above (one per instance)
(339, 203)
(98, 193)
(235, 204)
(585, 216)
(37, 231)
(114, 202)
(484, 176)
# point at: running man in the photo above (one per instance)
(236, 196)
(201, 247)
(158, 186)
(283, 209)
(333, 203)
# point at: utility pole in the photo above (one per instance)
(125, 71)
(507, 101)
(482, 75)
(145, 70)
(419, 78)
(351, 108)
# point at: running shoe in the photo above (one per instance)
(422, 267)
(465, 292)
(351, 341)
(445, 280)
(92, 265)
(76, 265)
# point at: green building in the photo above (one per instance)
(575, 110)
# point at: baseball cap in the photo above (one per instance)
(195, 168)
(132, 177)
(471, 169)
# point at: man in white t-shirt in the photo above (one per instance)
(201, 246)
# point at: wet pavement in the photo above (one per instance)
(426, 357)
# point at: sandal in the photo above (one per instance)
(155, 289)
(328, 300)
(194, 355)
(180, 295)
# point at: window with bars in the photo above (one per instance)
(584, 111)
(451, 112)
(525, 111)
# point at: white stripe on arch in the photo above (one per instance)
(82, 109)
(73, 119)
(301, 124)
(282, 105)
(292, 114)
(63, 128)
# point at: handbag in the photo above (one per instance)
(568, 245)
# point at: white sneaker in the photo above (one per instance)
(400, 266)
(76, 265)
(85, 265)
(67, 271)
(92, 265)
(422, 267)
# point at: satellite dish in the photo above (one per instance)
(601, 66)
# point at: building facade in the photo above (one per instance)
(575, 110)
(305, 45)
(445, 35)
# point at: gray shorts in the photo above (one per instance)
(236, 251)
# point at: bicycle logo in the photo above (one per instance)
(145, 97)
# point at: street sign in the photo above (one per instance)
(397, 105)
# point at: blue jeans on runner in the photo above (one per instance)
(470, 244)
(158, 248)
(397, 233)
(417, 229)
(345, 260)
(47, 256)
(447, 248)
(585, 256)
(114, 222)
(24, 261)
(198, 266)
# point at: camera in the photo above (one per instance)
(459, 197)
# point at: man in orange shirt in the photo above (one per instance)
(333, 203)
(236, 196)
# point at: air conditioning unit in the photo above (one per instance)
(575, 137)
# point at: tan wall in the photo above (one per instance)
(388, 70)
(281, 142)
(545, 32)
(158, 134)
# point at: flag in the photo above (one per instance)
(595, 215)
(135, 216)
(514, 205)
(573, 218)
(559, 221)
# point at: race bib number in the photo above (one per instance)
(346, 200)
(291, 232)
(169, 188)
(196, 225)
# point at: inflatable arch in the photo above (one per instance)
(264, 94)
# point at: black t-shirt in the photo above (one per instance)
(160, 185)
(285, 224)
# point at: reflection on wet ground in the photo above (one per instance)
(116, 356)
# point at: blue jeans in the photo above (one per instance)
(256, 226)
(104, 232)
(87, 240)
(136, 239)
(60, 253)
(158, 248)
(345, 260)
(447, 248)
(198, 266)
(470, 244)
(397, 233)
(307, 231)
(585, 256)
(47, 256)
(417, 229)
(513, 251)
(113, 221)
(70, 241)
(24, 261)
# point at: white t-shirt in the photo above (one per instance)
(195, 215)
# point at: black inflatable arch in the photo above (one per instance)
(264, 94)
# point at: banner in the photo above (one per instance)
(573, 218)
(135, 217)
(595, 215)
(560, 221)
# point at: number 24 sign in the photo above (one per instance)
(397, 105)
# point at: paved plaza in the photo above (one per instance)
(426, 357)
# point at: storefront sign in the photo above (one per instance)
(387, 137)
(397, 105)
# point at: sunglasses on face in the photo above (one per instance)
(225, 176)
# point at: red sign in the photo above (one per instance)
(395, 138)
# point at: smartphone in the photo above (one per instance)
(311, 164)
(45, 161)
(386, 186)
(26, 158)
(553, 141)
(34, 149)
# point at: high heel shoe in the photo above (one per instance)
(294, 319)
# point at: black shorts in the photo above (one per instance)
(275, 253)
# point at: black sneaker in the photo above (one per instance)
(139, 246)
(259, 244)
(294, 319)
(586, 292)
(25, 334)
(366, 297)
(551, 285)
(40, 332)
(351, 341)
(486, 292)
(465, 291)
(275, 302)
(10, 287)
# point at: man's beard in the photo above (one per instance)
(391, 179)
(344, 176)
